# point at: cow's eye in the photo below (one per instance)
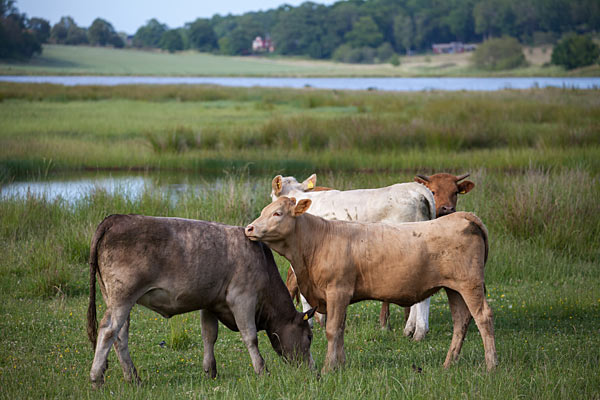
(277, 214)
(433, 193)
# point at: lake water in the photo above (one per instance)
(386, 84)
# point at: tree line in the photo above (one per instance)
(351, 30)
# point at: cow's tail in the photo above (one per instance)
(92, 321)
(484, 232)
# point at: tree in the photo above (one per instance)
(150, 34)
(499, 54)
(171, 41)
(364, 33)
(16, 41)
(575, 51)
(403, 32)
(202, 35)
(40, 28)
(76, 35)
(102, 33)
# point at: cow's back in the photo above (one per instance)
(175, 265)
(402, 202)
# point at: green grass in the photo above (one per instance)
(85, 60)
(534, 156)
(542, 287)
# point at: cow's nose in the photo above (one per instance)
(249, 228)
(448, 210)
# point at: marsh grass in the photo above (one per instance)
(49, 128)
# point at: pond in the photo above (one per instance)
(386, 84)
(77, 186)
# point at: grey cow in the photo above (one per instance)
(173, 266)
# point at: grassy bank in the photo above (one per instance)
(534, 156)
(84, 60)
(49, 128)
(542, 285)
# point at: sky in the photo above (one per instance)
(128, 15)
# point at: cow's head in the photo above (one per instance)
(445, 189)
(292, 339)
(277, 220)
(283, 186)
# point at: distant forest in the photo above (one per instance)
(381, 27)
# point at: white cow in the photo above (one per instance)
(402, 202)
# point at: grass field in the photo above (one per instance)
(84, 60)
(534, 156)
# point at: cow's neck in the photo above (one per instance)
(302, 244)
(277, 308)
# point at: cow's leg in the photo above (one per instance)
(337, 304)
(422, 319)
(210, 330)
(384, 316)
(244, 314)
(122, 350)
(482, 313)
(111, 324)
(461, 317)
(411, 322)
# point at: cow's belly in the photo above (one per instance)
(401, 274)
(168, 303)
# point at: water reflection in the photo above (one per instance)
(75, 187)
(73, 190)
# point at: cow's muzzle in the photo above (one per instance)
(250, 232)
(445, 210)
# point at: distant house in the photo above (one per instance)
(452, 47)
(260, 45)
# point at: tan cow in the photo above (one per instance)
(338, 263)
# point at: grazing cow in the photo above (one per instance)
(444, 188)
(340, 262)
(173, 266)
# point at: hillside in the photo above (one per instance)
(85, 60)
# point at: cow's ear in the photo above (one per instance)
(302, 206)
(310, 183)
(309, 314)
(277, 185)
(465, 187)
(419, 179)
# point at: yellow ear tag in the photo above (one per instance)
(305, 317)
(462, 192)
(311, 184)
(278, 185)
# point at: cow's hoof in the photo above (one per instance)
(212, 373)
(419, 334)
(409, 330)
(97, 384)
